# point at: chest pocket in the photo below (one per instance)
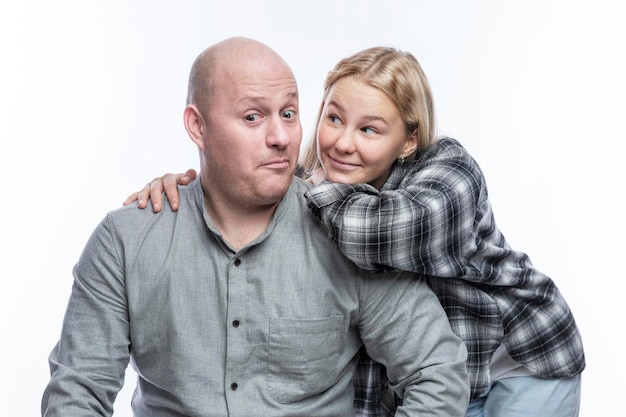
(303, 356)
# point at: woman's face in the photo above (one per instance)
(360, 134)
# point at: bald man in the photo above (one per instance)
(238, 304)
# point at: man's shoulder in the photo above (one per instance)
(293, 203)
(299, 186)
(132, 212)
(133, 216)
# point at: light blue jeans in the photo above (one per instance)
(529, 396)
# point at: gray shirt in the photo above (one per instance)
(270, 330)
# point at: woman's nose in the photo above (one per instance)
(345, 142)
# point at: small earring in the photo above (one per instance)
(402, 159)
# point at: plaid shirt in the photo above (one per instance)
(433, 217)
(372, 395)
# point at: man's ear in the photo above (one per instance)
(194, 125)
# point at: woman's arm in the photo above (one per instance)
(154, 190)
(427, 222)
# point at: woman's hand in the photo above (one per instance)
(154, 190)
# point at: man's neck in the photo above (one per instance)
(239, 224)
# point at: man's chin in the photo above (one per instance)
(275, 190)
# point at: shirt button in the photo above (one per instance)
(235, 323)
(237, 262)
(233, 386)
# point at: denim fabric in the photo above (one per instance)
(529, 396)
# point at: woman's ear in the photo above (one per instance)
(194, 125)
(412, 141)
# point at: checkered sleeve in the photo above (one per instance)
(419, 222)
(372, 395)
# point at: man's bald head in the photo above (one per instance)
(217, 62)
(243, 114)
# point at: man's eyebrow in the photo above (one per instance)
(254, 99)
(262, 97)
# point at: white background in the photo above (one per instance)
(91, 100)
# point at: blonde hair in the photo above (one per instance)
(397, 74)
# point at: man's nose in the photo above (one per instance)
(279, 134)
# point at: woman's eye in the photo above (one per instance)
(333, 119)
(369, 130)
(252, 117)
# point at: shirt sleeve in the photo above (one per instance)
(427, 224)
(88, 363)
(425, 366)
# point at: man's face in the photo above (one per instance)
(252, 133)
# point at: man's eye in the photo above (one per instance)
(252, 117)
(289, 114)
